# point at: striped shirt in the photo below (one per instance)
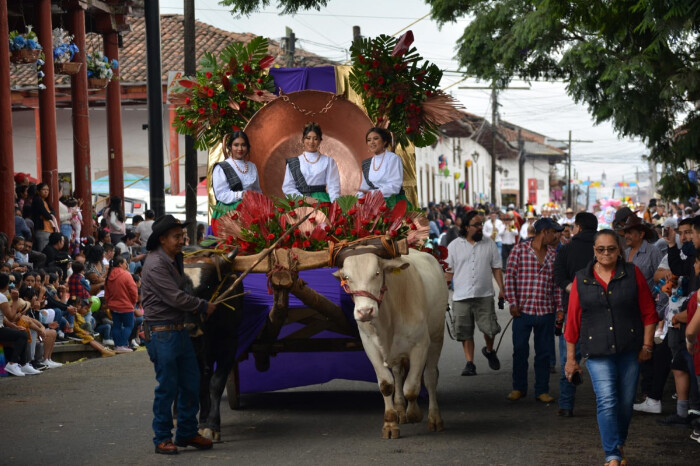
(529, 284)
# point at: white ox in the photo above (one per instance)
(400, 310)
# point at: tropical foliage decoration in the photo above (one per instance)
(259, 221)
(225, 92)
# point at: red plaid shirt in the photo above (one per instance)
(75, 288)
(530, 285)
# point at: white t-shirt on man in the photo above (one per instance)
(472, 267)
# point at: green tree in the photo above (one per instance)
(634, 63)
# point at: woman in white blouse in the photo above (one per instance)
(384, 170)
(312, 173)
(235, 175)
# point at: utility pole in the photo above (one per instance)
(494, 129)
(494, 123)
(289, 44)
(191, 179)
(568, 176)
(521, 168)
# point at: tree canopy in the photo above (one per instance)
(634, 63)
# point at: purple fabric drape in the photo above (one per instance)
(320, 78)
(297, 369)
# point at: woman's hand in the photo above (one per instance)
(645, 353)
(571, 368)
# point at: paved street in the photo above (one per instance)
(99, 412)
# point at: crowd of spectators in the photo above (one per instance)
(58, 287)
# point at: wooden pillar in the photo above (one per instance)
(114, 120)
(7, 166)
(47, 104)
(37, 141)
(174, 153)
(81, 126)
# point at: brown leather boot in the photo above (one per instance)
(197, 441)
(166, 448)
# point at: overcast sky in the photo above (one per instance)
(544, 108)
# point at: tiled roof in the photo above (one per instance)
(132, 56)
(506, 143)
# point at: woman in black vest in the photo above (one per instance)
(612, 315)
(235, 175)
(384, 170)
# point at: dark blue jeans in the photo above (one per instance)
(121, 328)
(567, 390)
(177, 374)
(543, 328)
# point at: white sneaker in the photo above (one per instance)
(29, 370)
(122, 350)
(134, 343)
(649, 405)
(107, 342)
(14, 369)
(52, 364)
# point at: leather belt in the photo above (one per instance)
(167, 327)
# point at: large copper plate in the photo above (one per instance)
(275, 133)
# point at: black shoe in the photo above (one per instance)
(469, 369)
(494, 363)
(675, 420)
(39, 366)
(565, 413)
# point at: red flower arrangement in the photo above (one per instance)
(259, 221)
(224, 95)
(399, 93)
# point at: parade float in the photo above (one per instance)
(296, 319)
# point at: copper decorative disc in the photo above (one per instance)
(275, 134)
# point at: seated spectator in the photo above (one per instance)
(95, 270)
(20, 260)
(78, 285)
(55, 252)
(125, 249)
(39, 354)
(83, 331)
(12, 337)
(36, 258)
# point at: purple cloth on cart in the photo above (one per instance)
(297, 369)
(321, 78)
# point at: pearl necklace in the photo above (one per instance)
(242, 170)
(380, 163)
(309, 161)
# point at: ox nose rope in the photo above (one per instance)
(366, 294)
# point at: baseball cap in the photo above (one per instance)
(547, 223)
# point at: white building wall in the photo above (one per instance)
(134, 142)
(447, 188)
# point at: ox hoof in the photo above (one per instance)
(402, 416)
(435, 426)
(391, 431)
(414, 414)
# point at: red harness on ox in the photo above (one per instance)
(364, 293)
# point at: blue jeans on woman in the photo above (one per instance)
(567, 390)
(177, 373)
(614, 381)
(543, 328)
(122, 324)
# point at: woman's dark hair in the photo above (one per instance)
(229, 138)
(312, 126)
(40, 186)
(31, 190)
(466, 219)
(116, 261)
(94, 253)
(608, 232)
(383, 133)
(115, 205)
(53, 277)
(20, 190)
(4, 280)
(27, 292)
(101, 235)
